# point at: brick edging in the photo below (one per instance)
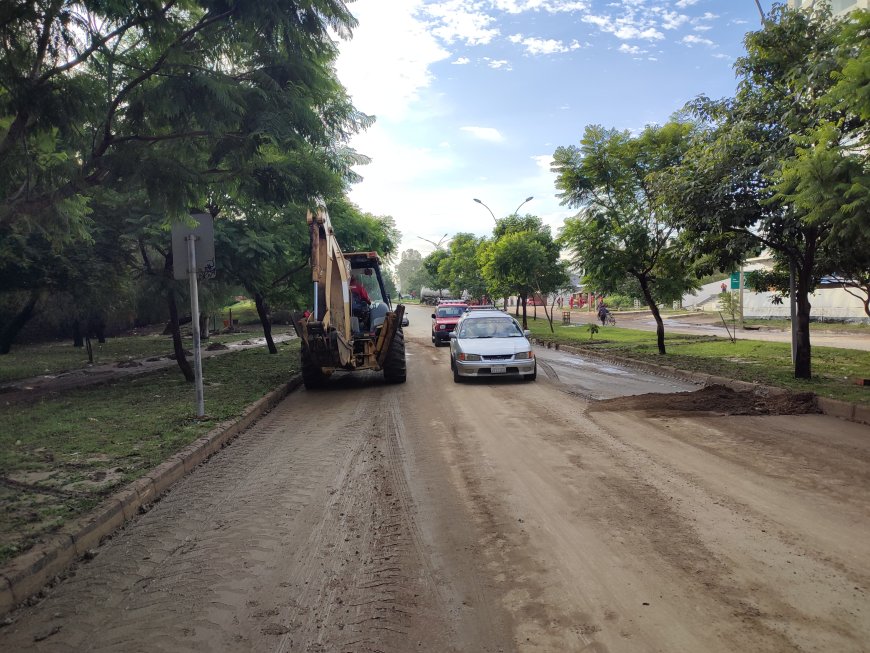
(833, 407)
(28, 573)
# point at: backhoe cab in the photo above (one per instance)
(343, 332)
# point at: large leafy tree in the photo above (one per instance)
(408, 270)
(747, 183)
(436, 273)
(522, 258)
(624, 228)
(359, 231)
(461, 268)
(828, 179)
(172, 96)
(166, 107)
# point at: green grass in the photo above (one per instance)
(245, 312)
(87, 443)
(25, 361)
(746, 360)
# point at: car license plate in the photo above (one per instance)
(498, 369)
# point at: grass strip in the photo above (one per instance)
(745, 360)
(62, 456)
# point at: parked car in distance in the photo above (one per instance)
(444, 320)
(489, 343)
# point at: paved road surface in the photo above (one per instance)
(486, 517)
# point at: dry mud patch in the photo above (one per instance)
(714, 400)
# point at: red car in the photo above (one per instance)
(444, 320)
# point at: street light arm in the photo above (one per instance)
(488, 209)
(517, 210)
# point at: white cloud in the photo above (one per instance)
(457, 20)
(691, 39)
(391, 40)
(672, 20)
(550, 6)
(543, 46)
(626, 27)
(461, 61)
(490, 134)
(497, 64)
(682, 4)
(630, 49)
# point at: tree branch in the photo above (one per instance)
(147, 74)
(100, 42)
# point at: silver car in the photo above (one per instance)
(488, 343)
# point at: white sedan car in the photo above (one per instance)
(488, 343)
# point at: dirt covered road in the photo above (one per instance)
(559, 515)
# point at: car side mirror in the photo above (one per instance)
(453, 335)
(433, 316)
(527, 333)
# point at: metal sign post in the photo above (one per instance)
(196, 246)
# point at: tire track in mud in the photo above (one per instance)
(297, 537)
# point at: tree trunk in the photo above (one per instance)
(97, 326)
(12, 328)
(177, 344)
(78, 338)
(802, 353)
(660, 326)
(263, 312)
(174, 326)
(203, 326)
(551, 314)
(525, 313)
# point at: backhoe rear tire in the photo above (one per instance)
(312, 375)
(394, 363)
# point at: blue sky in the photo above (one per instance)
(473, 97)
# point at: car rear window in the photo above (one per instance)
(450, 311)
(490, 328)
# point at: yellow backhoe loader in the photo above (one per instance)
(349, 328)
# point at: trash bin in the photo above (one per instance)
(566, 317)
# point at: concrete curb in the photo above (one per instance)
(833, 407)
(27, 574)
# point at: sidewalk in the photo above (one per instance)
(681, 323)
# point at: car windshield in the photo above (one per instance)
(490, 328)
(450, 311)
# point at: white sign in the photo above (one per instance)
(203, 235)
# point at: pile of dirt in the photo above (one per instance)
(713, 399)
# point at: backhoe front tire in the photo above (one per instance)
(312, 375)
(394, 364)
